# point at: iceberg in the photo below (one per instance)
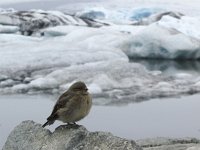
(8, 29)
(158, 42)
(186, 25)
(141, 13)
(75, 50)
(118, 16)
(157, 17)
(32, 21)
(120, 82)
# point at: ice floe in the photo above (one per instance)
(8, 29)
(159, 42)
(71, 49)
(186, 25)
(31, 21)
(118, 81)
(119, 16)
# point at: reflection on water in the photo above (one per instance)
(170, 67)
(171, 117)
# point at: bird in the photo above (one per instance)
(72, 106)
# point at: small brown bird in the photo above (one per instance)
(72, 106)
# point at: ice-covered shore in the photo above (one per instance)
(65, 48)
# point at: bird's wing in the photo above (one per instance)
(63, 99)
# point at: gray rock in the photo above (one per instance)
(31, 136)
(170, 144)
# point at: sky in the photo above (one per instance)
(189, 7)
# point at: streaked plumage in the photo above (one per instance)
(72, 106)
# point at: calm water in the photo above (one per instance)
(167, 117)
(171, 117)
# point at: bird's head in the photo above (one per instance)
(78, 86)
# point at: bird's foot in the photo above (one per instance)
(73, 125)
(62, 127)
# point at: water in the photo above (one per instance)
(169, 117)
(171, 67)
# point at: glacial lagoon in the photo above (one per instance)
(166, 117)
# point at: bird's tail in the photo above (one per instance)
(44, 125)
(50, 120)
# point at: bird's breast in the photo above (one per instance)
(78, 112)
(86, 104)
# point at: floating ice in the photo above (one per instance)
(141, 13)
(157, 17)
(120, 16)
(183, 76)
(186, 25)
(39, 53)
(32, 21)
(8, 29)
(160, 42)
(119, 81)
(98, 56)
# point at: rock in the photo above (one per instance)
(169, 144)
(31, 136)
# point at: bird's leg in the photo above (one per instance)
(70, 123)
(73, 125)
